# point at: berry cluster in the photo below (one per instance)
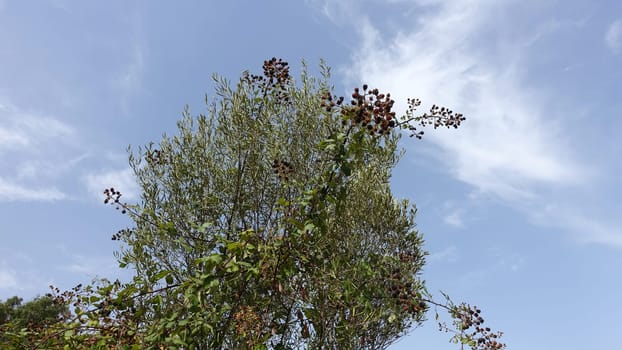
(113, 197)
(369, 109)
(109, 311)
(404, 294)
(437, 116)
(64, 297)
(282, 169)
(329, 101)
(122, 233)
(275, 77)
(407, 257)
(470, 321)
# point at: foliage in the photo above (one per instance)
(267, 223)
(34, 315)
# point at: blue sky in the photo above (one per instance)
(519, 208)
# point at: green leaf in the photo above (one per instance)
(158, 276)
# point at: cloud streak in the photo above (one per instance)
(510, 142)
(613, 36)
(24, 131)
(32, 147)
(123, 180)
(7, 279)
(513, 146)
(12, 192)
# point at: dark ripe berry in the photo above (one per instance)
(364, 86)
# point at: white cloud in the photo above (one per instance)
(613, 36)
(510, 141)
(26, 131)
(130, 79)
(448, 254)
(586, 224)
(507, 259)
(454, 219)
(22, 281)
(466, 55)
(34, 147)
(10, 192)
(599, 232)
(91, 265)
(32, 169)
(7, 279)
(122, 180)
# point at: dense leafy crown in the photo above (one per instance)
(269, 223)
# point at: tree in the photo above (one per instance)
(269, 223)
(34, 315)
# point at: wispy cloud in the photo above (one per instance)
(26, 131)
(511, 141)
(613, 36)
(513, 147)
(448, 254)
(10, 192)
(454, 218)
(123, 180)
(92, 266)
(36, 168)
(507, 259)
(130, 79)
(8, 278)
(588, 225)
(34, 149)
(17, 276)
